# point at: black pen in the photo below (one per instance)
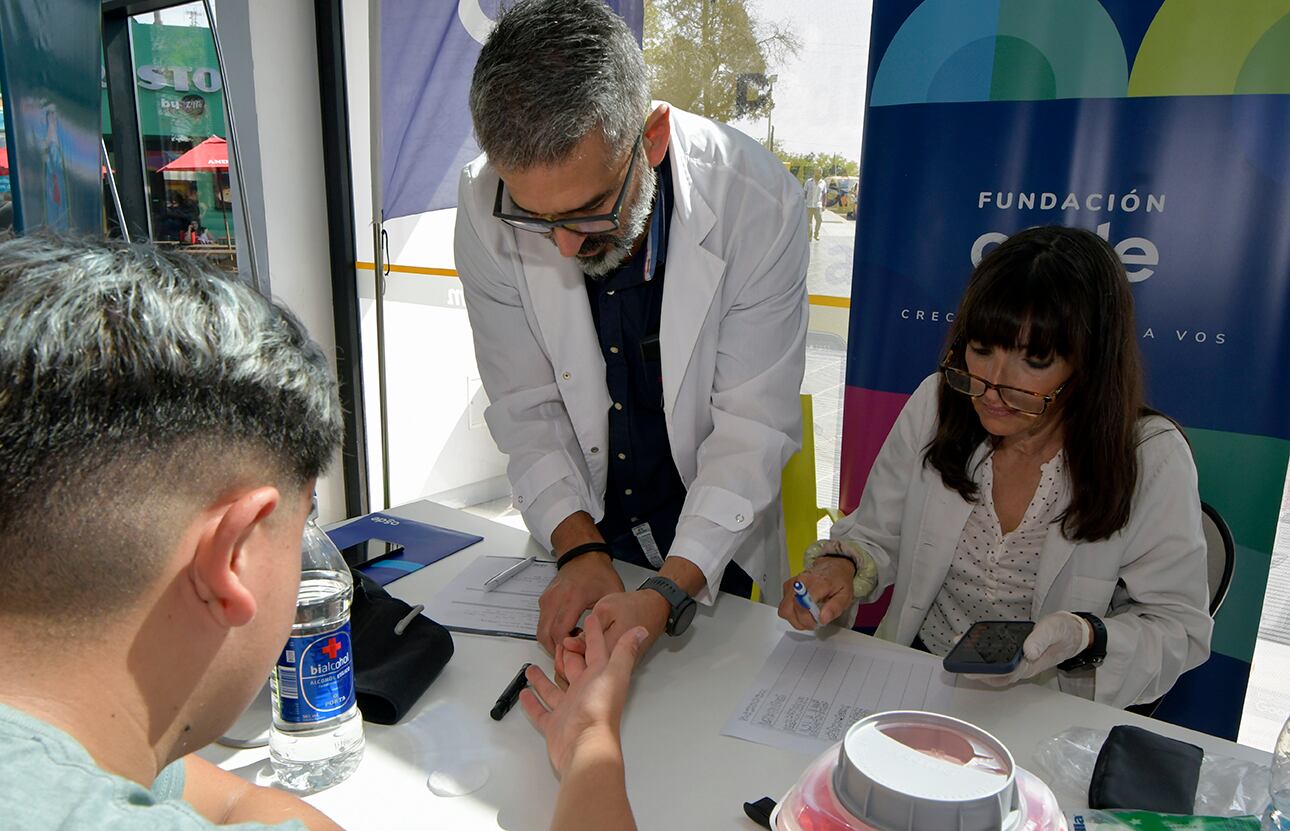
(510, 695)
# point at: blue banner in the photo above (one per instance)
(428, 53)
(1158, 124)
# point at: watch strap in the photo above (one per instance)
(578, 550)
(1094, 653)
(676, 597)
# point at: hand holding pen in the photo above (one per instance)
(811, 598)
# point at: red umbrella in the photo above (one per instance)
(211, 154)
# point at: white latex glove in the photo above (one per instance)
(1054, 639)
(866, 577)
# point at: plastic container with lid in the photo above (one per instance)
(916, 771)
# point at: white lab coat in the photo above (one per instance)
(732, 339)
(1148, 581)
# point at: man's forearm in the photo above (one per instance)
(684, 573)
(575, 529)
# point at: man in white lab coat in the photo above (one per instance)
(636, 282)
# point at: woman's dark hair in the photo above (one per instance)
(1063, 291)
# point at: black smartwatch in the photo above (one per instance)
(1095, 653)
(683, 606)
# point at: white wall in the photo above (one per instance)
(271, 80)
(439, 445)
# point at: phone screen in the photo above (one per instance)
(989, 643)
(362, 553)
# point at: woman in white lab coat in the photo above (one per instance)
(1025, 480)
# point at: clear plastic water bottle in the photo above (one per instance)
(316, 739)
(1277, 817)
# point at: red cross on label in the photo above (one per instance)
(332, 649)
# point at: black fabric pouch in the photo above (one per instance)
(397, 652)
(1142, 771)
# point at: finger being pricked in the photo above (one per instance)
(570, 663)
(594, 635)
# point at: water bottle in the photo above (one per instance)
(1277, 817)
(316, 739)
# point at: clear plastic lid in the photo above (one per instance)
(913, 770)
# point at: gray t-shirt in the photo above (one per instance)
(48, 780)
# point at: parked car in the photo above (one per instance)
(841, 195)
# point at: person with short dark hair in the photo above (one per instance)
(1025, 480)
(636, 283)
(161, 429)
(162, 425)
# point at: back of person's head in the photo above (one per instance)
(139, 386)
(1060, 291)
(551, 72)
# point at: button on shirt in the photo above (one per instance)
(626, 307)
(993, 575)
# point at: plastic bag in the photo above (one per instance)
(1142, 821)
(1228, 787)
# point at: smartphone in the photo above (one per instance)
(990, 647)
(367, 551)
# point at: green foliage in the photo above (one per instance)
(830, 164)
(696, 51)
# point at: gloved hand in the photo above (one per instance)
(832, 582)
(866, 576)
(1054, 639)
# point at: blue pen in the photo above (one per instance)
(804, 600)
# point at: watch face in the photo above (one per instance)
(684, 616)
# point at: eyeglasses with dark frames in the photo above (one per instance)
(1014, 398)
(599, 224)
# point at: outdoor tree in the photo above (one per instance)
(830, 164)
(702, 54)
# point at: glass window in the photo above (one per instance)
(6, 193)
(180, 99)
(792, 76)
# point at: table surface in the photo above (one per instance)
(681, 772)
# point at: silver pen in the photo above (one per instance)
(507, 573)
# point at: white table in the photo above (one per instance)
(681, 772)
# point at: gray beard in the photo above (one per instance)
(635, 220)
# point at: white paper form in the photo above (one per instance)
(511, 609)
(809, 692)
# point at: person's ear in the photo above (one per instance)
(658, 130)
(218, 568)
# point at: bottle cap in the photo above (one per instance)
(916, 771)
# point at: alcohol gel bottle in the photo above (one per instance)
(317, 736)
(1277, 817)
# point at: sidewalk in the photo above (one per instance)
(830, 269)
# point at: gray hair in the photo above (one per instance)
(550, 73)
(133, 380)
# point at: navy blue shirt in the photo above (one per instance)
(627, 306)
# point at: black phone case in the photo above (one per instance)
(953, 662)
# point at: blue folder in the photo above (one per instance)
(422, 543)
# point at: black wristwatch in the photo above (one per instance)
(683, 606)
(1095, 653)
